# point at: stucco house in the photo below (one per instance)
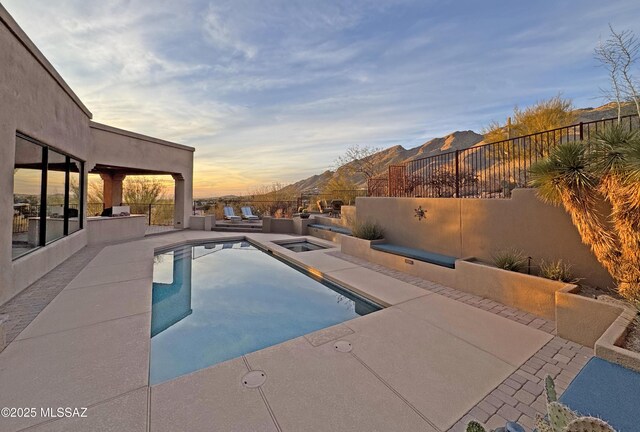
(48, 146)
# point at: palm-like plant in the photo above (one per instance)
(579, 176)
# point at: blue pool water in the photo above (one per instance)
(218, 301)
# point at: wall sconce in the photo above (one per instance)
(420, 213)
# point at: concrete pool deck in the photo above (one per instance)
(430, 361)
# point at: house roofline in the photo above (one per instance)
(28, 44)
(135, 135)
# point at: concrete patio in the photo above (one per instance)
(432, 360)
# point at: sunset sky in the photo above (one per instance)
(274, 91)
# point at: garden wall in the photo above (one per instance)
(465, 227)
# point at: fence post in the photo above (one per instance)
(457, 174)
(149, 214)
(581, 131)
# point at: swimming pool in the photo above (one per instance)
(218, 301)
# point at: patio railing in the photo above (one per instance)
(487, 171)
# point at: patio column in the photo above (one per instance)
(179, 199)
(112, 188)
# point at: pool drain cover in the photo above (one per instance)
(343, 346)
(254, 379)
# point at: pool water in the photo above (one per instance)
(218, 301)
(301, 246)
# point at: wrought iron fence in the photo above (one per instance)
(487, 171)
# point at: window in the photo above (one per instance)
(27, 192)
(56, 193)
(48, 186)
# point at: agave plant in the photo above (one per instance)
(579, 176)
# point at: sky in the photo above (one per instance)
(275, 90)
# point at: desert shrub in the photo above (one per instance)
(368, 231)
(556, 270)
(510, 259)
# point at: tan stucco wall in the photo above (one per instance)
(479, 227)
(582, 319)
(36, 102)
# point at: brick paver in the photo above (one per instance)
(521, 396)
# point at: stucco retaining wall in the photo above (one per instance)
(581, 319)
(529, 293)
(463, 227)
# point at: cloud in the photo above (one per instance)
(275, 91)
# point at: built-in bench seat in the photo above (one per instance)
(416, 254)
(335, 229)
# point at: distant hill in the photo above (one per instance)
(458, 140)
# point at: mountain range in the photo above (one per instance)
(457, 140)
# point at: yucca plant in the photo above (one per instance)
(579, 176)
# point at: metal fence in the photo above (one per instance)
(487, 171)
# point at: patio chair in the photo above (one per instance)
(229, 214)
(248, 214)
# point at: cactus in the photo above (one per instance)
(542, 425)
(561, 419)
(559, 416)
(588, 424)
(474, 426)
(550, 389)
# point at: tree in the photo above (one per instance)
(579, 176)
(275, 199)
(619, 54)
(359, 160)
(544, 115)
(143, 190)
(340, 188)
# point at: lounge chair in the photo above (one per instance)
(230, 215)
(248, 214)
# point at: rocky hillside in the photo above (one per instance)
(393, 155)
(455, 141)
